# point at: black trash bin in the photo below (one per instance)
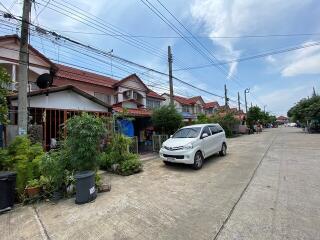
(85, 187)
(7, 190)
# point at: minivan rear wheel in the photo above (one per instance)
(198, 161)
(223, 150)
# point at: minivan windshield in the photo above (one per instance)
(187, 133)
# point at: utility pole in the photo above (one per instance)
(314, 92)
(264, 108)
(245, 97)
(226, 99)
(170, 75)
(239, 101)
(23, 70)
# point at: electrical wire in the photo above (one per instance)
(130, 62)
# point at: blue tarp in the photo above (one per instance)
(126, 127)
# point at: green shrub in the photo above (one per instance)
(3, 159)
(84, 133)
(24, 158)
(132, 164)
(33, 183)
(106, 160)
(166, 119)
(118, 153)
(52, 167)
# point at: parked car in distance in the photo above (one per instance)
(192, 144)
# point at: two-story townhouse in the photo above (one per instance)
(74, 90)
(188, 107)
(211, 107)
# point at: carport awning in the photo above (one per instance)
(139, 112)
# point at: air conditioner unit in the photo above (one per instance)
(13, 86)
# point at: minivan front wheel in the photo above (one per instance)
(198, 161)
(223, 150)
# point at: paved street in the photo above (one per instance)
(267, 187)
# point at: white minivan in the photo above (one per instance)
(192, 144)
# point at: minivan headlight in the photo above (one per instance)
(188, 146)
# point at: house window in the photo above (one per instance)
(103, 97)
(135, 96)
(185, 109)
(151, 104)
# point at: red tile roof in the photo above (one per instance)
(194, 100)
(84, 76)
(88, 77)
(140, 112)
(182, 100)
(153, 94)
(211, 105)
(76, 74)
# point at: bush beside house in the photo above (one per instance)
(55, 170)
(166, 119)
(226, 120)
(117, 157)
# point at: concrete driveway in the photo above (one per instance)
(267, 187)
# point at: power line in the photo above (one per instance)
(99, 24)
(174, 28)
(101, 52)
(196, 36)
(295, 48)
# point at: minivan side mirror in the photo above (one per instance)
(204, 135)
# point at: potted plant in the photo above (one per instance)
(33, 188)
(52, 168)
(84, 133)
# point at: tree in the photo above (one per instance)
(254, 115)
(4, 81)
(84, 133)
(227, 122)
(166, 119)
(306, 110)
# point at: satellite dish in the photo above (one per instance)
(44, 80)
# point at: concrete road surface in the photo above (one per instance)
(267, 187)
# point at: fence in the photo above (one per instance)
(133, 148)
(157, 141)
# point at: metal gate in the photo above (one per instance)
(133, 148)
(157, 141)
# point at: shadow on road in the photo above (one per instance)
(186, 167)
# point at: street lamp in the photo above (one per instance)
(247, 90)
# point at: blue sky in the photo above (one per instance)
(276, 81)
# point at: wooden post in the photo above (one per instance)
(64, 123)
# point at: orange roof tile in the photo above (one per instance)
(211, 105)
(83, 76)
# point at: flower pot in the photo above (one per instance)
(32, 191)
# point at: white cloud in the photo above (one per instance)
(240, 17)
(282, 99)
(271, 59)
(305, 61)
